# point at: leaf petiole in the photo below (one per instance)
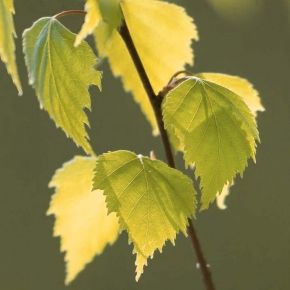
(69, 12)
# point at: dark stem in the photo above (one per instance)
(70, 12)
(202, 264)
(155, 101)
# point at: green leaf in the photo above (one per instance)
(152, 200)
(240, 86)
(250, 96)
(61, 75)
(216, 131)
(82, 219)
(164, 47)
(7, 44)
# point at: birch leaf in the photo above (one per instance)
(7, 44)
(82, 219)
(61, 75)
(164, 47)
(240, 86)
(92, 20)
(250, 96)
(152, 200)
(217, 129)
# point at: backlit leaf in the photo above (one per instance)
(240, 86)
(111, 12)
(92, 20)
(250, 96)
(98, 11)
(7, 44)
(217, 131)
(162, 34)
(61, 75)
(82, 219)
(152, 200)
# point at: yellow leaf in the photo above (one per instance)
(7, 44)
(240, 86)
(92, 20)
(82, 219)
(122, 65)
(164, 46)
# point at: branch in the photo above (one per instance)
(155, 101)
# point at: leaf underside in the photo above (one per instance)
(152, 200)
(61, 75)
(214, 128)
(82, 219)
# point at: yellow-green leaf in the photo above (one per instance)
(92, 20)
(152, 200)
(82, 219)
(99, 11)
(164, 46)
(217, 130)
(61, 75)
(249, 94)
(7, 44)
(240, 86)
(111, 12)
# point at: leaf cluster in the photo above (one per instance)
(210, 118)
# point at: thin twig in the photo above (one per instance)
(156, 105)
(70, 12)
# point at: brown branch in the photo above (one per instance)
(155, 101)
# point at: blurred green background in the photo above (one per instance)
(248, 245)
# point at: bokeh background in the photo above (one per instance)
(248, 245)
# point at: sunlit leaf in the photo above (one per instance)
(164, 46)
(250, 96)
(111, 12)
(217, 131)
(61, 75)
(98, 11)
(240, 86)
(152, 200)
(92, 20)
(7, 44)
(82, 220)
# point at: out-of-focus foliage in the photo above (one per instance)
(237, 10)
